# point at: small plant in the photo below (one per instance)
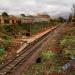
(67, 40)
(6, 40)
(58, 69)
(48, 55)
(2, 54)
(2, 51)
(68, 45)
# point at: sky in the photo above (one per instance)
(52, 7)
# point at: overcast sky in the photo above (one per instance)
(52, 7)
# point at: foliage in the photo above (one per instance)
(4, 36)
(36, 69)
(73, 9)
(23, 15)
(2, 54)
(70, 17)
(34, 27)
(67, 41)
(8, 28)
(48, 55)
(2, 51)
(58, 68)
(61, 19)
(40, 68)
(7, 41)
(5, 14)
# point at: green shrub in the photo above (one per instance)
(5, 36)
(58, 68)
(67, 41)
(48, 55)
(2, 51)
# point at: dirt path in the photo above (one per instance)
(57, 35)
(54, 40)
(53, 44)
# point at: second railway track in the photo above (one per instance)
(10, 67)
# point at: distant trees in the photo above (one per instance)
(70, 17)
(23, 15)
(73, 9)
(61, 19)
(5, 14)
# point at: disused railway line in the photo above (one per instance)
(14, 64)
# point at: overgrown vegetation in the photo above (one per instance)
(17, 30)
(68, 42)
(50, 62)
(8, 31)
(47, 55)
(2, 54)
(34, 28)
(53, 62)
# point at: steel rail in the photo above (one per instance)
(24, 55)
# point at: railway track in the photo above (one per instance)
(14, 64)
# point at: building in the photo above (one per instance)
(43, 17)
(20, 19)
(26, 19)
(4, 20)
(13, 20)
(31, 19)
(8, 20)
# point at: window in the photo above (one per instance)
(6, 21)
(13, 21)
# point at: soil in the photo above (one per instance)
(53, 44)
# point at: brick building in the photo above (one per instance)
(8, 20)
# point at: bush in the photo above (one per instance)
(67, 41)
(2, 51)
(68, 45)
(48, 55)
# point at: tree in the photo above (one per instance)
(5, 14)
(70, 17)
(73, 9)
(23, 15)
(73, 13)
(61, 19)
